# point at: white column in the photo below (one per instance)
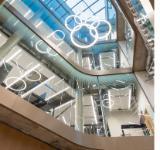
(79, 100)
(11, 42)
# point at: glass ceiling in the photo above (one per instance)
(86, 9)
(83, 8)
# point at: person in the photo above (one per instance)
(142, 119)
(123, 133)
(143, 125)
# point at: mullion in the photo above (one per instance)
(99, 10)
(76, 4)
(62, 16)
(50, 11)
(88, 6)
(107, 10)
(48, 3)
(60, 5)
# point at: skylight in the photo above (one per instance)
(88, 8)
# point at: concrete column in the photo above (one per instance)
(12, 41)
(104, 113)
(79, 110)
(79, 57)
(79, 99)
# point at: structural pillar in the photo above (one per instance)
(79, 99)
(6, 48)
(79, 110)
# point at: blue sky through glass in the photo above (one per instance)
(88, 8)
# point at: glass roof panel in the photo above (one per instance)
(79, 8)
(86, 14)
(100, 14)
(84, 5)
(97, 6)
(72, 3)
(61, 11)
(89, 2)
(53, 5)
(85, 9)
(45, 1)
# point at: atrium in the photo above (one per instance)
(77, 74)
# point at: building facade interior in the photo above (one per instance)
(77, 74)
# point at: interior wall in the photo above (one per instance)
(12, 139)
(143, 101)
(147, 85)
(118, 118)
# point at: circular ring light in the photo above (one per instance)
(90, 27)
(17, 90)
(106, 101)
(50, 52)
(57, 37)
(38, 43)
(34, 80)
(98, 24)
(76, 18)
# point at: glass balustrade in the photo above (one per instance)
(111, 106)
(143, 18)
(102, 56)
